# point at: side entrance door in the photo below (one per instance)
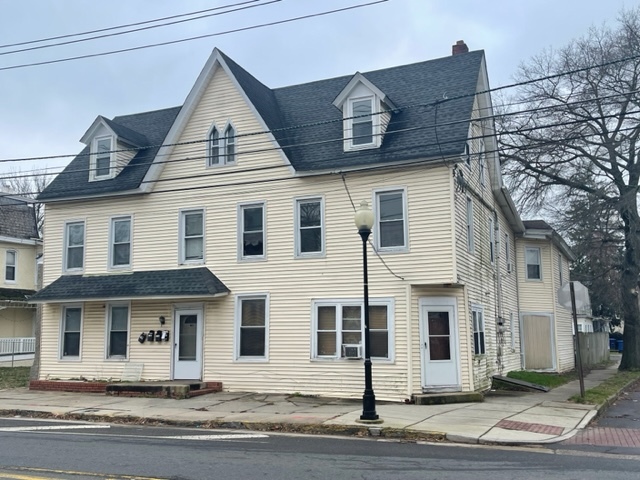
(538, 344)
(187, 344)
(440, 361)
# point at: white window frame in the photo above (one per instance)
(492, 242)
(182, 213)
(507, 253)
(469, 221)
(93, 162)
(65, 253)
(350, 120)
(63, 310)
(478, 328)
(481, 163)
(238, 326)
(355, 302)
(112, 222)
(466, 154)
(107, 342)
(8, 265)
(526, 264)
(224, 140)
(241, 208)
(405, 220)
(298, 227)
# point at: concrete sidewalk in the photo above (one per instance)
(503, 418)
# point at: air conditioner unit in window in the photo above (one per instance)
(352, 351)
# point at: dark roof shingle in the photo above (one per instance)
(17, 219)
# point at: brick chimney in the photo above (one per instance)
(459, 47)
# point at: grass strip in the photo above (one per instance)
(14, 377)
(611, 386)
(551, 380)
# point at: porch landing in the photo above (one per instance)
(444, 398)
(176, 389)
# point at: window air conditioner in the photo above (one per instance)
(352, 351)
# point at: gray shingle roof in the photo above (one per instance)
(15, 294)
(74, 180)
(537, 225)
(126, 134)
(17, 219)
(184, 282)
(411, 134)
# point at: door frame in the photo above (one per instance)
(444, 302)
(552, 339)
(187, 309)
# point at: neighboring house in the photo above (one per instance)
(547, 328)
(225, 226)
(20, 247)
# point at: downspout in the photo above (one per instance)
(409, 327)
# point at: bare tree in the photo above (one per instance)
(578, 133)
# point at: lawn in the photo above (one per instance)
(609, 387)
(14, 377)
(551, 380)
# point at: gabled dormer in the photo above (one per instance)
(111, 147)
(366, 112)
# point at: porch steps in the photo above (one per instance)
(175, 389)
(444, 398)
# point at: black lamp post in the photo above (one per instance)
(364, 222)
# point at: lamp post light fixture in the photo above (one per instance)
(364, 222)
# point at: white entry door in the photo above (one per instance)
(439, 345)
(187, 344)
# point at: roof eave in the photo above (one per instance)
(129, 298)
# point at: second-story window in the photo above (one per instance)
(120, 242)
(252, 232)
(532, 258)
(221, 150)
(309, 234)
(391, 224)
(10, 266)
(191, 236)
(470, 241)
(74, 246)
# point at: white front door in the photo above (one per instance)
(439, 344)
(187, 344)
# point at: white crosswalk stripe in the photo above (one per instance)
(51, 427)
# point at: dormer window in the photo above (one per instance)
(221, 151)
(362, 121)
(102, 156)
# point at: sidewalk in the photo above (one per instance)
(503, 418)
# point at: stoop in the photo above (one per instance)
(444, 398)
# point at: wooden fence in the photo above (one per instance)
(594, 348)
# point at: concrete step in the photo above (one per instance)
(176, 389)
(444, 398)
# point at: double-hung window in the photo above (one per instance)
(339, 326)
(309, 227)
(362, 122)
(391, 221)
(192, 236)
(117, 331)
(477, 315)
(470, 240)
(74, 246)
(252, 319)
(533, 261)
(221, 151)
(11, 260)
(71, 332)
(252, 241)
(103, 147)
(120, 251)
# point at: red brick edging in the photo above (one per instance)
(61, 386)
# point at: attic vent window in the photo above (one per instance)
(221, 151)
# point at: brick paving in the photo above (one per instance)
(607, 436)
(530, 427)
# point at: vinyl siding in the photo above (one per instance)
(17, 322)
(25, 266)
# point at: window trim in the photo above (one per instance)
(349, 121)
(388, 302)
(222, 144)
(470, 226)
(405, 219)
(111, 256)
(526, 264)
(182, 260)
(239, 298)
(298, 253)
(240, 231)
(492, 242)
(507, 254)
(93, 162)
(63, 310)
(481, 163)
(14, 266)
(107, 337)
(560, 268)
(65, 253)
(478, 309)
(466, 154)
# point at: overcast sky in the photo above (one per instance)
(44, 110)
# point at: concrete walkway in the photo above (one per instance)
(503, 418)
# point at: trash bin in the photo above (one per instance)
(613, 344)
(620, 344)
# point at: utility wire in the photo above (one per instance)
(188, 39)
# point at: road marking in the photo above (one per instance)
(217, 437)
(7, 472)
(51, 427)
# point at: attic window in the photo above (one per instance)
(221, 151)
(361, 125)
(101, 167)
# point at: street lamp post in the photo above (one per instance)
(364, 222)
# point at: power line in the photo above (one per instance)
(107, 35)
(198, 37)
